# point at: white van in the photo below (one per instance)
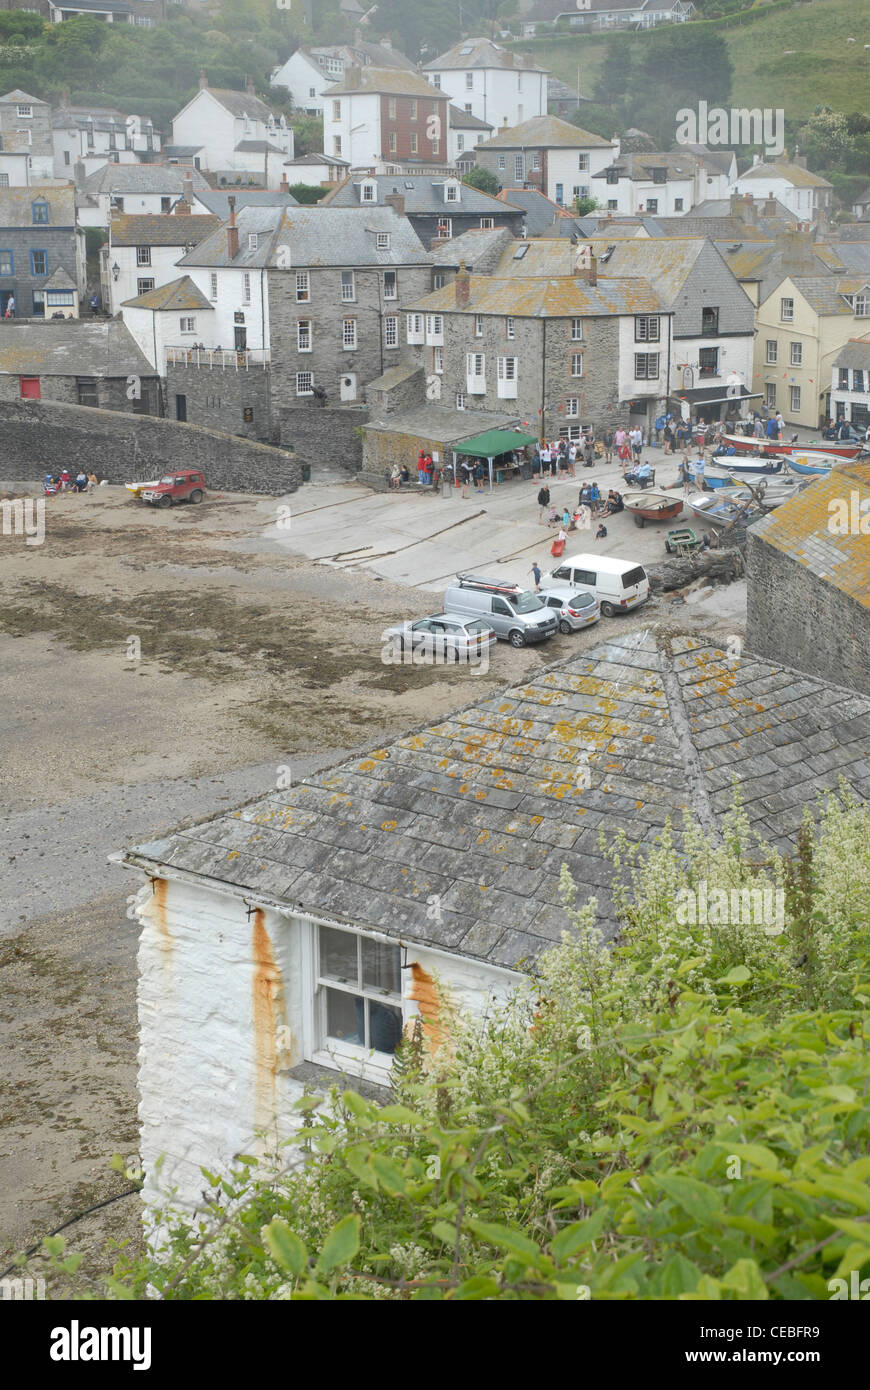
(516, 615)
(619, 585)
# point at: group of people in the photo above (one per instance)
(65, 482)
(590, 505)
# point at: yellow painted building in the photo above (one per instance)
(801, 326)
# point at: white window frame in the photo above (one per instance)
(469, 82)
(572, 406)
(771, 352)
(582, 163)
(438, 361)
(795, 399)
(576, 330)
(348, 287)
(487, 223)
(187, 324)
(770, 394)
(786, 315)
(501, 161)
(576, 364)
(303, 287)
(24, 113)
(415, 328)
(246, 287)
(391, 277)
(301, 379)
(861, 306)
(253, 241)
(796, 354)
(143, 255)
(304, 335)
(647, 358)
(478, 325)
(510, 328)
(506, 373)
(382, 241)
(451, 192)
(213, 286)
(647, 328)
(145, 284)
(369, 192)
(461, 401)
(391, 331)
(435, 330)
(475, 373)
(349, 335)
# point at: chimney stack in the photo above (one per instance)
(462, 287)
(769, 208)
(184, 206)
(397, 201)
(589, 272)
(203, 80)
(249, 87)
(232, 230)
(285, 186)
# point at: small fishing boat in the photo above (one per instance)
(768, 496)
(138, 488)
(812, 462)
(721, 511)
(713, 479)
(648, 505)
(750, 465)
(746, 444)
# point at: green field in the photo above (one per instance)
(823, 70)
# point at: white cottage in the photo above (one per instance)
(230, 133)
(291, 942)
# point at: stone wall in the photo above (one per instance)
(42, 437)
(217, 399)
(322, 437)
(405, 394)
(111, 392)
(800, 620)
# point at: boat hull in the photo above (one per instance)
(747, 445)
(655, 506)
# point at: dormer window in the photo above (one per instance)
(659, 175)
(451, 192)
(369, 193)
(253, 241)
(382, 241)
(39, 212)
(24, 112)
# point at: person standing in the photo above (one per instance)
(10, 307)
(544, 502)
(479, 472)
(536, 575)
(607, 441)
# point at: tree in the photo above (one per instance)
(307, 193)
(482, 179)
(585, 205)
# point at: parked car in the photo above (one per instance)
(187, 485)
(617, 584)
(575, 609)
(459, 638)
(517, 615)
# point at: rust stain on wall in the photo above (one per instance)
(424, 992)
(268, 1008)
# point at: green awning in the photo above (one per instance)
(493, 443)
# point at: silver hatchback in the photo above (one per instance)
(575, 610)
(443, 637)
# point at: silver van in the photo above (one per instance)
(516, 615)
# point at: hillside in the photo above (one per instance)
(823, 69)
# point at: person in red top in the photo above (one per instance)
(65, 480)
(422, 474)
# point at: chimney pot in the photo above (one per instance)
(232, 230)
(249, 87)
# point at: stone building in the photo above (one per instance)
(288, 944)
(808, 575)
(548, 154)
(79, 362)
(563, 353)
(438, 208)
(38, 236)
(26, 149)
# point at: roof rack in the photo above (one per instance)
(493, 586)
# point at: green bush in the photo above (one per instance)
(685, 1115)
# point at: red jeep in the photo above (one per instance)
(187, 485)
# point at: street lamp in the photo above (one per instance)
(116, 270)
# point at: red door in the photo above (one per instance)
(30, 388)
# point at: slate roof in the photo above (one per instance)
(217, 200)
(161, 229)
(852, 255)
(464, 120)
(318, 236)
(180, 294)
(484, 807)
(666, 263)
(143, 178)
(59, 279)
(781, 169)
(391, 81)
(17, 95)
(638, 167)
(425, 195)
(439, 424)
(856, 353)
(545, 298)
(800, 529)
(15, 205)
(482, 53)
(239, 103)
(826, 294)
(541, 212)
(854, 231)
(545, 132)
(480, 248)
(71, 347)
(258, 147)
